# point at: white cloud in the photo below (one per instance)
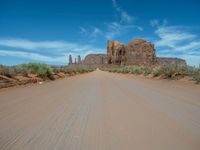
(63, 59)
(176, 41)
(55, 51)
(91, 32)
(27, 44)
(139, 28)
(33, 56)
(111, 30)
(124, 23)
(124, 16)
(58, 46)
(83, 30)
(115, 28)
(95, 32)
(192, 46)
(158, 23)
(120, 26)
(175, 37)
(154, 22)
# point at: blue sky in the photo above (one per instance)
(48, 31)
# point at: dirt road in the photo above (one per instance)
(101, 111)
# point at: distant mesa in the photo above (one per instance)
(137, 52)
(91, 60)
(166, 60)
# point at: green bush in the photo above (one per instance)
(8, 71)
(156, 71)
(146, 70)
(42, 70)
(73, 70)
(196, 75)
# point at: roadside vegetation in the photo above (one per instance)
(174, 72)
(41, 70)
(72, 71)
(35, 72)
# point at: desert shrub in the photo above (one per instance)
(135, 70)
(8, 71)
(42, 70)
(147, 70)
(125, 70)
(156, 71)
(20, 70)
(196, 74)
(197, 78)
(81, 70)
(73, 70)
(11, 71)
(59, 69)
(167, 71)
(170, 70)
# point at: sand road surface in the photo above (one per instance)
(101, 111)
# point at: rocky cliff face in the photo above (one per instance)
(137, 52)
(114, 52)
(95, 59)
(167, 61)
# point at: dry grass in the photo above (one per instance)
(166, 72)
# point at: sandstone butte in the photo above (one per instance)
(136, 52)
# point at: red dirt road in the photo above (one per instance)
(101, 111)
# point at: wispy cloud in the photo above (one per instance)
(33, 56)
(175, 37)
(156, 22)
(45, 51)
(91, 32)
(123, 15)
(83, 30)
(95, 32)
(59, 46)
(51, 46)
(178, 41)
(31, 45)
(115, 28)
(123, 23)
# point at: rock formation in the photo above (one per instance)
(167, 61)
(70, 60)
(79, 59)
(137, 52)
(91, 60)
(95, 59)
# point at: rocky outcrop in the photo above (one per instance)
(95, 59)
(137, 52)
(114, 52)
(79, 59)
(167, 61)
(70, 60)
(91, 60)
